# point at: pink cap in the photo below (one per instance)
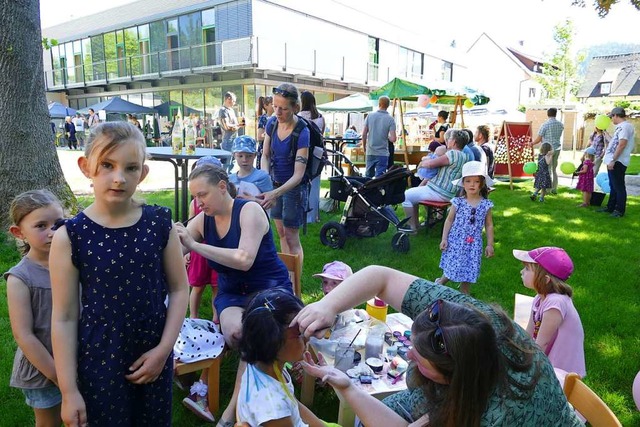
(554, 260)
(335, 270)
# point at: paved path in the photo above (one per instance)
(161, 174)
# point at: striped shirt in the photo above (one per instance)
(551, 131)
(442, 184)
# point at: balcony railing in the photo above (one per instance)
(249, 52)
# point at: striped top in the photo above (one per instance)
(442, 184)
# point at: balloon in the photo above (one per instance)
(568, 168)
(530, 168)
(602, 179)
(423, 101)
(636, 391)
(468, 103)
(433, 100)
(603, 121)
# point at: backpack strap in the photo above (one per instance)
(300, 125)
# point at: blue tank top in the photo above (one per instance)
(267, 271)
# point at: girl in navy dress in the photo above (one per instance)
(113, 265)
(542, 181)
(461, 243)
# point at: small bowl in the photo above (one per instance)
(375, 364)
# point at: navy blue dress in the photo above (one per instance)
(236, 286)
(123, 315)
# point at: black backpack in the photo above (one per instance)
(318, 157)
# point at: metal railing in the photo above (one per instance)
(245, 52)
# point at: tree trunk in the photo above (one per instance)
(28, 158)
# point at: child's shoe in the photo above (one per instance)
(533, 197)
(196, 402)
(541, 199)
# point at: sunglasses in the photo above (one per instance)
(438, 343)
(285, 93)
(472, 219)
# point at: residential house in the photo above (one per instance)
(615, 77)
(505, 74)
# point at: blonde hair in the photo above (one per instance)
(545, 148)
(108, 136)
(25, 203)
(543, 286)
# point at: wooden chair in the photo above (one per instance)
(293, 264)
(212, 366)
(588, 404)
(436, 212)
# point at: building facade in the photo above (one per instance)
(186, 55)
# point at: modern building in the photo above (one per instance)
(186, 54)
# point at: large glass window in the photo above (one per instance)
(172, 26)
(143, 31)
(157, 43)
(132, 50)
(87, 59)
(97, 54)
(208, 18)
(110, 54)
(212, 103)
(190, 35)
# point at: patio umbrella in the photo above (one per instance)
(119, 105)
(356, 102)
(400, 89)
(59, 111)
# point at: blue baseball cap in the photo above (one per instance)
(209, 160)
(244, 144)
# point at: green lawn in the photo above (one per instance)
(605, 282)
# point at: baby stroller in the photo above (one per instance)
(366, 212)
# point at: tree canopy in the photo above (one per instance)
(603, 7)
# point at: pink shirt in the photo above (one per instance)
(566, 349)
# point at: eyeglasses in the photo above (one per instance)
(285, 93)
(472, 219)
(438, 343)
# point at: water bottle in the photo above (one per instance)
(190, 137)
(177, 139)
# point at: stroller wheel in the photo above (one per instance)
(400, 242)
(333, 235)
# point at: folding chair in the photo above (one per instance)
(293, 264)
(588, 404)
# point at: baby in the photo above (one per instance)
(437, 150)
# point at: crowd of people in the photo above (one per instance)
(98, 301)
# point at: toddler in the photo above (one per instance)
(469, 214)
(554, 323)
(542, 181)
(436, 150)
(585, 176)
(34, 214)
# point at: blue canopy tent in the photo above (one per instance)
(119, 105)
(59, 111)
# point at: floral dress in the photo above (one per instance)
(461, 260)
(585, 180)
(543, 176)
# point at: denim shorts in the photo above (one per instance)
(291, 207)
(42, 398)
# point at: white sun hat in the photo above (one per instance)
(474, 168)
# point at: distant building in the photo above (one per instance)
(188, 53)
(616, 77)
(505, 74)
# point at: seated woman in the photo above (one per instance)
(440, 188)
(470, 365)
(235, 236)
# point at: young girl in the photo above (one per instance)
(114, 265)
(543, 176)
(461, 243)
(585, 176)
(33, 215)
(249, 181)
(266, 394)
(554, 322)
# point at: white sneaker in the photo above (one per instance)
(196, 402)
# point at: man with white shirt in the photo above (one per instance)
(78, 122)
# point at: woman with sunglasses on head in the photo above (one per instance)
(470, 364)
(284, 157)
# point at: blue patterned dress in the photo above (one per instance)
(461, 261)
(543, 175)
(123, 315)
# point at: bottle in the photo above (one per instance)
(374, 343)
(177, 139)
(190, 137)
(327, 132)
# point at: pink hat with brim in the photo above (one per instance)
(555, 260)
(335, 270)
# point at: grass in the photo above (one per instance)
(605, 282)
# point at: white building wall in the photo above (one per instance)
(335, 47)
